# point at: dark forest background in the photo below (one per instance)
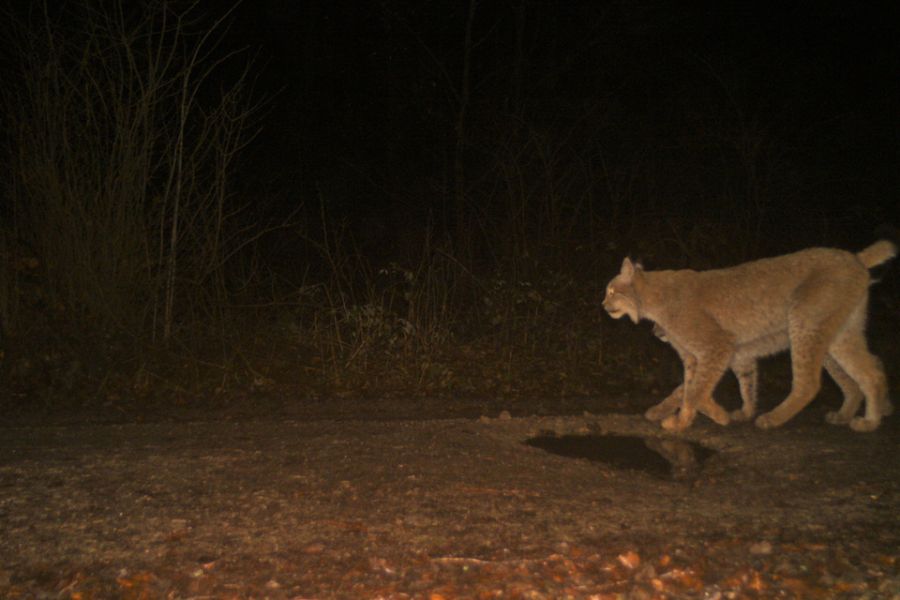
(281, 203)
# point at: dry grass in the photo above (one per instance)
(120, 165)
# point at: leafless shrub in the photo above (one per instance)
(121, 154)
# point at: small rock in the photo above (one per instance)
(712, 593)
(827, 579)
(646, 573)
(640, 593)
(504, 416)
(315, 548)
(761, 548)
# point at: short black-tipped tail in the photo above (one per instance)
(879, 252)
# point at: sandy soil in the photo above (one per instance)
(456, 508)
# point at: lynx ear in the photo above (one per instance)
(627, 271)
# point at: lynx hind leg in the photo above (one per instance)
(746, 372)
(812, 326)
(886, 408)
(853, 395)
(852, 354)
(806, 363)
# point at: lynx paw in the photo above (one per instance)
(740, 416)
(658, 412)
(863, 425)
(767, 421)
(720, 418)
(837, 418)
(674, 424)
(715, 412)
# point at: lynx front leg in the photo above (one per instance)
(698, 391)
(708, 406)
(672, 402)
(667, 407)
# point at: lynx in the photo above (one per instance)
(812, 302)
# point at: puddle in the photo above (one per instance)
(666, 458)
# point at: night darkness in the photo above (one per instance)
(801, 97)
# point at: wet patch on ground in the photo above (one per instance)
(666, 458)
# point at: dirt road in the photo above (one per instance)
(442, 509)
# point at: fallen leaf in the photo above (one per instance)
(314, 548)
(755, 582)
(851, 587)
(815, 547)
(630, 559)
(797, 586)
(684, 578)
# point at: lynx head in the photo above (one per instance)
(621, 298)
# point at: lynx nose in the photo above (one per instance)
(608, 308)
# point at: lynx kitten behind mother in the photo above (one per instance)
(813, 302)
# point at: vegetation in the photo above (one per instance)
(145, 262)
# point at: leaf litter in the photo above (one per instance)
(441, 509)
